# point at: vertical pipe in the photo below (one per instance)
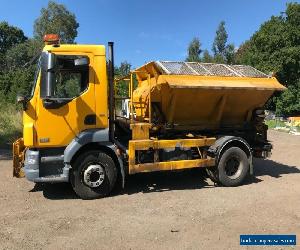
(131, 98)
(111, 98)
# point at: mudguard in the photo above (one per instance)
(216, 149)
(99, 136)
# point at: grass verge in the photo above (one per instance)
(282, 126)
(275, 123)
(10, 124)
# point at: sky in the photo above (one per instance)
(144, 31)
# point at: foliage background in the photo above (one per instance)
(275, 47)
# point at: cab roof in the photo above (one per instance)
(87, 48)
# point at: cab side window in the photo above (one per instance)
(70, 80)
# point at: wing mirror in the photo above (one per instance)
(48, 65)
(22, 100)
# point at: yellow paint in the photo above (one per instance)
(159, 144)
(171, 165)
(29, 118)
(18, 158)
(140, 131)
(29, 135)
(58, 127)
(135, 145)
(294, 121)
(196, 102)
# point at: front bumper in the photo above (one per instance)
(31, 165)
(32, 169)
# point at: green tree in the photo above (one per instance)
(123, 70)
(14, 47)
(242, 53)
(9, 36)
(56, 19)
(122, 86)
(207, 58)
(230, 54)
(219, 44)
(223, 52)
(23, 54)
(21, 57)
(18, 76)
(275, 47)
(194, 50)
(17, 81)
(289, 101)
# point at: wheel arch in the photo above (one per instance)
(225, 142)
(91, 140)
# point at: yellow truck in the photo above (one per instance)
(177, 115)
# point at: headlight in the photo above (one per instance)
(32, 159)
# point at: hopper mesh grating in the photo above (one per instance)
(208, 69)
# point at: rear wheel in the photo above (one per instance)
(94, 175)
(232, 168)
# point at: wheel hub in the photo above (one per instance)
(232, 166)
(94, 175)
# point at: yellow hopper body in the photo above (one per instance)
(200, 99)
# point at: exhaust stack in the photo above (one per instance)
(111, 100)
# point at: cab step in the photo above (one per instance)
(54, 158)
(52, 178)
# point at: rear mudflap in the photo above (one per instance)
(18, 158)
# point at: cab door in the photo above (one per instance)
(71, 108)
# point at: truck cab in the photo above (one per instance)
(66, 111)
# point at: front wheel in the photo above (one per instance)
(93, 175)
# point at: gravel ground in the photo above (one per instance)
(182, 210)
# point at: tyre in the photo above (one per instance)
(93, 175)
(233, 167)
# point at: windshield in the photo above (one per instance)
(36, 75)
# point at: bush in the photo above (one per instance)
(10, 124)
(275, 123)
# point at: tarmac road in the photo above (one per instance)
(181, 210)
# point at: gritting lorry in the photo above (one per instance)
(177, 115)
